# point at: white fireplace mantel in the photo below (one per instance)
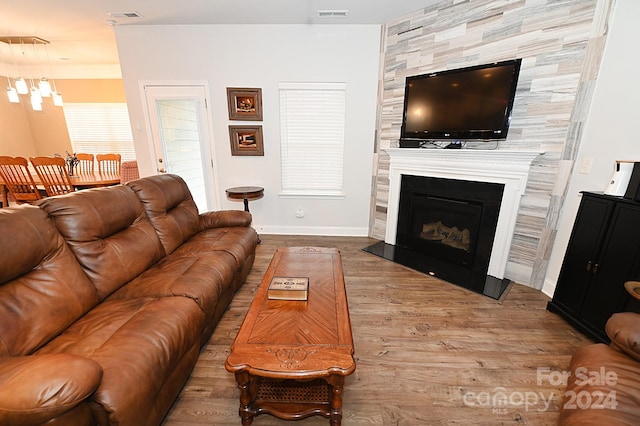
(508, 167)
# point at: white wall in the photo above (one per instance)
(611, 131)
(262, 56)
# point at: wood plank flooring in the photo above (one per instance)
(428, 352)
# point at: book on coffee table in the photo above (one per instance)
(288, 288)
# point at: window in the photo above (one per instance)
(100, 128)
(312, 118)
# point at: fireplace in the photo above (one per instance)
(450, 225)
(452, 213)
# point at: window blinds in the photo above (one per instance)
(312, 119)
(100, 128)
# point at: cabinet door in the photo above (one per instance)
(587, 236)
(617, 263)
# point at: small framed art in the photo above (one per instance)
(246, 140)
(244, 104)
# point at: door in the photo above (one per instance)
(178, 118)
(617, 263)
(580, 260)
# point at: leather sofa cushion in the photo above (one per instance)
(200, 276)
(168, 202)
(109, 233)
(240, 242)
(224, 218)
(593, 359)
(623, 329)
(138, 343)
(42, 288)
(37, 388)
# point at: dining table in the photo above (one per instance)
(78, 180)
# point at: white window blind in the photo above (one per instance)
(312, 119)
(100, 128)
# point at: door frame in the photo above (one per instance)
(207, 128)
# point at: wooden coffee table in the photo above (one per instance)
(290, 358)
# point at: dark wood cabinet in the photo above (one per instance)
(603, 253)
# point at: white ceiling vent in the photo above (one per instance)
(117, 15)
(332, 13)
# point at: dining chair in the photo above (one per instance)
(53, 174)
(129, 171)
(85, 163)
(108, 163)
(18, 179)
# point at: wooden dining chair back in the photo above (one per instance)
(85, 163)
(53, 174)
(109, 163)
(18, 180)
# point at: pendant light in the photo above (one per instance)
(41, 87)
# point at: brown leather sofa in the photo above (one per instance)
(106, 296)
(604, 386)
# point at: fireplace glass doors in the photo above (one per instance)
(450, 224)
(445, 228)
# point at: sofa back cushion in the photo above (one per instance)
(42, 287)
(623, 328)
(168, 202)
(109, 233)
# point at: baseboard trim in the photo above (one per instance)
(314, 230)
(548, 288)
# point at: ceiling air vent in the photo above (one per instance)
(333, 13)
(124, 15)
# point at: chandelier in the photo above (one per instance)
(23, 81)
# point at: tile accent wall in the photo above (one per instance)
(560, 43)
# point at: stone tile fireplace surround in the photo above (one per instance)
(507, 167)
(561, 59)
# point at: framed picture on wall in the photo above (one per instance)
(246, 140)
(244, 104)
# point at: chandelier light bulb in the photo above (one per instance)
(21, 86)
(45, 87)
(36, 96)
(37, 106)
(57, 98)
(12, 93)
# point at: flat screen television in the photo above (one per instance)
(465, 104)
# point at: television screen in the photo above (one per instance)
(471, 103)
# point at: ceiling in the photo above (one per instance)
(81, 32)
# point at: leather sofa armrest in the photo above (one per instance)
(38, 388)
(623, 329)
(224, 218)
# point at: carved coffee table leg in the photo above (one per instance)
(335, 399)
(246, 383)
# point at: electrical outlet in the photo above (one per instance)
(299, 213)
(585, 166)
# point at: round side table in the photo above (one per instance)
(245, 193)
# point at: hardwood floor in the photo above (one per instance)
(428, 352)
